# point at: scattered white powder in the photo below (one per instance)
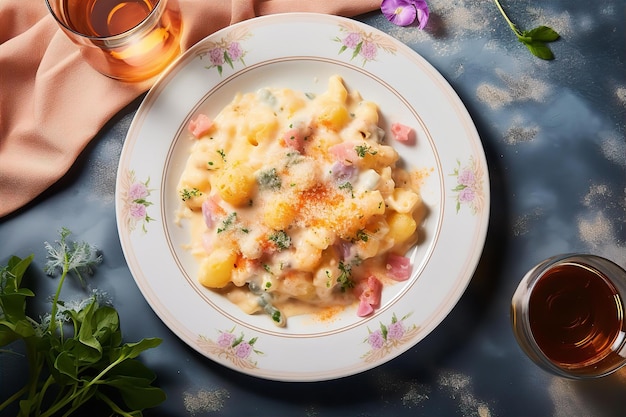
(311, 412)
(204, 401)
(460, 16)
(524, 223)
(460, 388)
(516, 88)
(620, 92)
(597, 195)
(561, 23)
(493, 96)
(567, 402)
(614, 148)
(596, 231)
(520, 131)
(599, 235)
(415, 395)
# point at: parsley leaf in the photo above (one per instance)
(535, 40)
(186, 194)
(269, 179)
(345, 277)
(280, 239)
(73, 364)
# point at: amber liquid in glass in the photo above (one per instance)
(576, 316)
(146, 52)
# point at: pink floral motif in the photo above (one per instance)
(365, 45)
(352, 40)
(135, 202)
(376, 339)
(225, 339)
(388, 337)
(243, 350)
(216, 56)
(395, 331)
(227, 51)
(469, 188)
(369, 50)
(137, 191)
(137, 211)
(232, 347)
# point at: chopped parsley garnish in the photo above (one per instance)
(347, 186)
(187, 194)
(227, 223)
(269, 179)
(344, 279)
(362, 235)
(363, 150)
(276, 316)
(280, 239)
(222, 154)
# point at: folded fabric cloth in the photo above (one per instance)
(52, 103)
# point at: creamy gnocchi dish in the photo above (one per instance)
(297, 203)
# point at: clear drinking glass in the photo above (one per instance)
(129, 40)
(568, 315)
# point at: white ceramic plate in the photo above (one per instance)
(301, 51)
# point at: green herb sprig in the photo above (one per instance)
(536, 39)
(75, 353)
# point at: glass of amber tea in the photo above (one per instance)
(128, 40)
(568, 316)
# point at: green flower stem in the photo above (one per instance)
(14, 397)
(53, 313)
(511, 24)
(37, 362)
(77, 393)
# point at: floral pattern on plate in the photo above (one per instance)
(235, 348)
(135, 195)
(469, 189)
(389, 337)
(362, 44)
(227, 50)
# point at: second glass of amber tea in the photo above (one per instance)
(128, 40)
(568, 315)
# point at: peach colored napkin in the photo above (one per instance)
(52, 103)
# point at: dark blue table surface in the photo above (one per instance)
(554, 136)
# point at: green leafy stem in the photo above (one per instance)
(536, 39)
(67, 370)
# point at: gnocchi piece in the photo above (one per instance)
(216, 269)
(235, 183)
(401, 227)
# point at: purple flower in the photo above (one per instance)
(467, 177)
(404, 12)
(216, 55)
(137, 211)
(352, 40)
(395, 331)
(467, 195)
(137, 191)
(243, 350)
(234, 51)
(225, 340)
(369, 51)
(376, 339)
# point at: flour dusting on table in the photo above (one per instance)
(460, 388)
(203, 401)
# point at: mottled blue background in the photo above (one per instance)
(554, 136)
